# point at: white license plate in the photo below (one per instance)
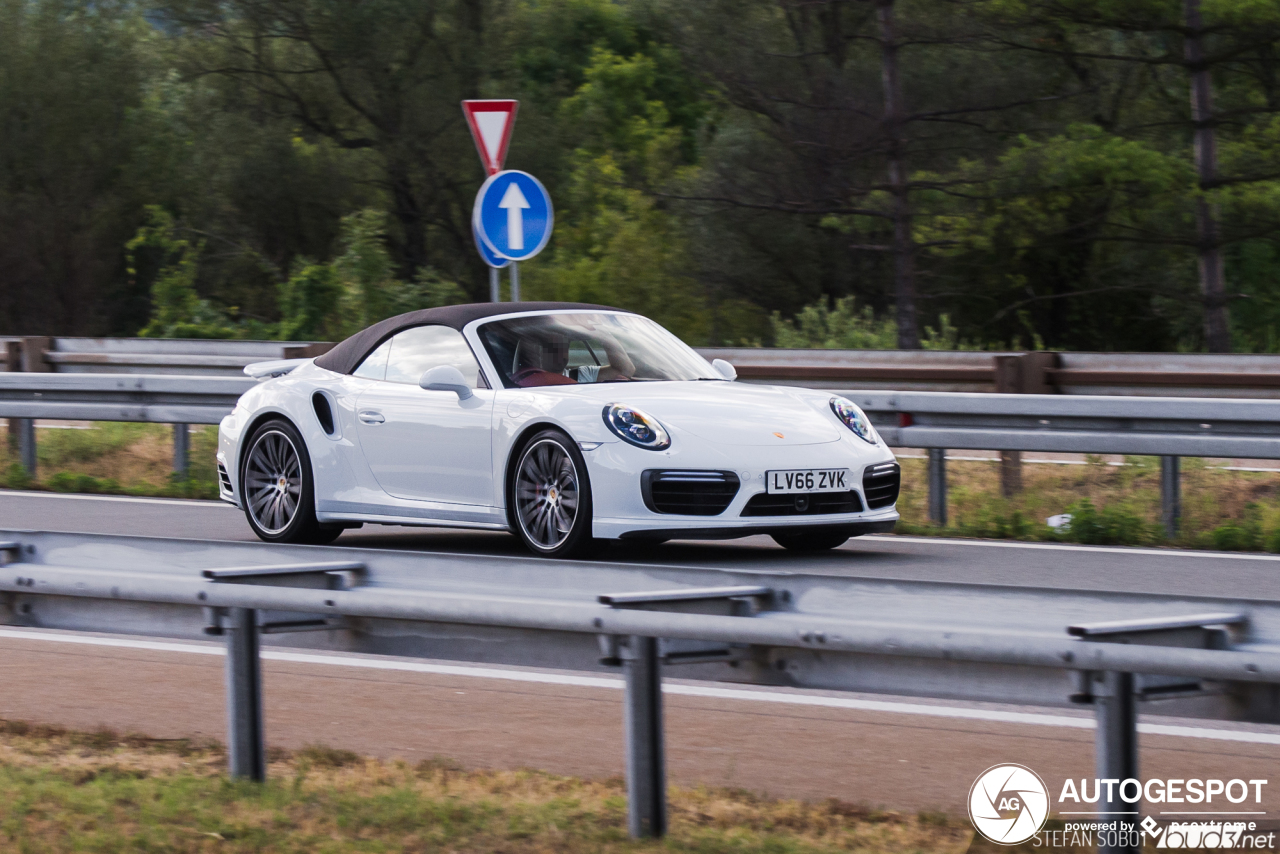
(808, 480)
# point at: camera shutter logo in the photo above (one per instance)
(1008, 804)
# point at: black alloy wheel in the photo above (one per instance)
(277, 490)
(550, 497)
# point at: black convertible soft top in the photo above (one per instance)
(347, 355)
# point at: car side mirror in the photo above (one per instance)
(725, 369)
(446, 378)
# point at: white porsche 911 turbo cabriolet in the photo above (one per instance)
(563, 423)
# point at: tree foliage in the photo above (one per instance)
(744, 171)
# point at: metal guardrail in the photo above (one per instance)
(1120, 374)
(1170, 428)
(149, 355)
(1167, 427)
(1184, 427)
(1214, 657)
(120, 397)
(1147, 374)
(180, 401)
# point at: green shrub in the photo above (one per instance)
(1245, 537)
(1106, 526)
(16, 477)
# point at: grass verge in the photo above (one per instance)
(103, 792)
(111, 457)
(1110, 505)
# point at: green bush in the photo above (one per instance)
(1273, 541)
(1106, 526)
(1244, 537)
(16, 477)
(65, 481)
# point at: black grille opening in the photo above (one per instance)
(803, 504)
(880, 483)
(224, 479)
(324, 412)
(688, 492)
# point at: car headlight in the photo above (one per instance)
(636, 427)
(853, 418)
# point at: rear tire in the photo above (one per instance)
(549, 497)
(277, 488)
(819, 541)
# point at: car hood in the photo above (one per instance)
(723, 412)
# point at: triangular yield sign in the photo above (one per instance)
(491, 123)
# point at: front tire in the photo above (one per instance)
(817, 541)
(549, 497)
(277, 488)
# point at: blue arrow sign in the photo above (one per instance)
(513, 215)
(486, 253)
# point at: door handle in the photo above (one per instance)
(371, 416)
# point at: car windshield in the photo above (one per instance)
(566, 349)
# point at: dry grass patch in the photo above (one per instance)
(104, 792)
(1221, 509)
(114, 457)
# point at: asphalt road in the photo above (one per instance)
(1193, 573)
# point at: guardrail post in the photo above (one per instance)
(26, 430)
(181, 449)
(938, 486)
(1117, 756)
(1008, 377)
(31, 360)
(12, 362)
(1170, 495)
(646, 768)
(245, 743)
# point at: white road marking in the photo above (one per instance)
(128, 499)
(761, 695)
(1071, 547)
(937, 541)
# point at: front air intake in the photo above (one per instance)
(803, 504)
(880, 483)
(688, 492)
(224, 479)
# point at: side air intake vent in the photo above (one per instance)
(224, 480)
(880, 483)
(688, 492)
(324, 412)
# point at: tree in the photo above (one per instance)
(72, 78)
(832, 107)
(1199, 41)
(381, 77)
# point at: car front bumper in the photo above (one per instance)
(619, 510)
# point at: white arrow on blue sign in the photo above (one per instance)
(513, 215)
